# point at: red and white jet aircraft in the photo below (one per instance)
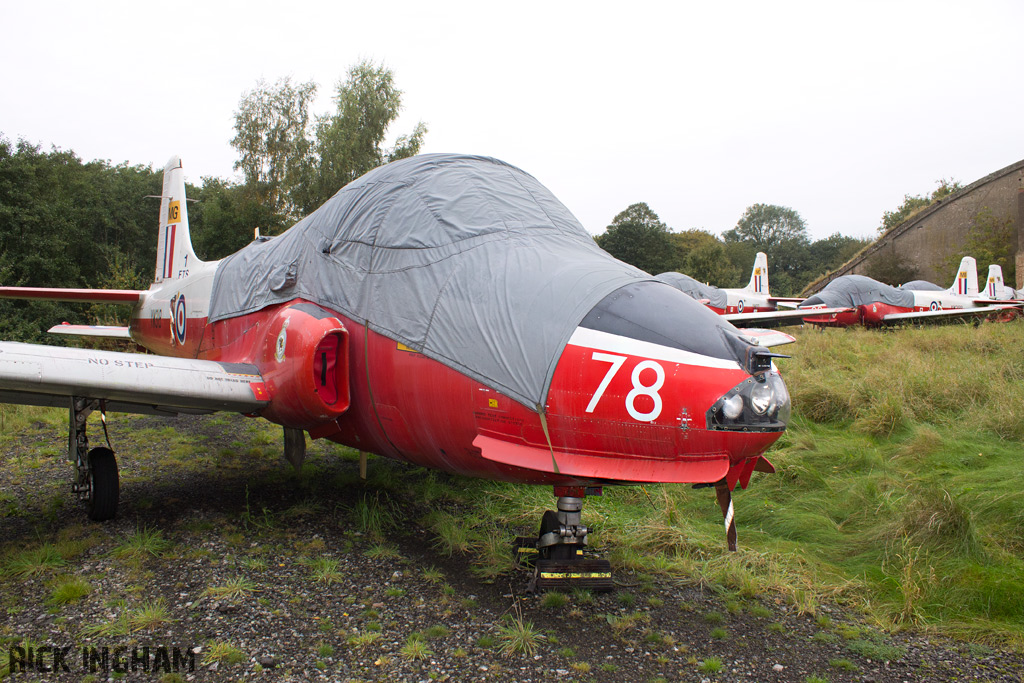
(876, 304)
(444, 310)
(749, 306)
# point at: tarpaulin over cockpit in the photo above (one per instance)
(859, 290)
(467, 259)
(707, 294)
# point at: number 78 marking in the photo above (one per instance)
(639, 388)
(616, 362)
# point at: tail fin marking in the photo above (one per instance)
(759, 275)
(174, 247)
(966, 283)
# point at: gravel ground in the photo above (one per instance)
(261, 576)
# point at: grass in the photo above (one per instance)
(234, 588)
(35, 561)
(554, 600)
(416, 648)
(224, 653)
(518, 637)
(149, 616)
(325, 570)
(896, 491)
(711, 665)
(142, 544)
(69, 589)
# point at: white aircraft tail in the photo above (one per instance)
(759, 275)
(966, 283)
(174, 254)
(995, 286)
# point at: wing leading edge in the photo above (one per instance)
(34, 374)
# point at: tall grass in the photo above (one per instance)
(898, 489)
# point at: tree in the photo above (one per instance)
(224, 217)
(913, 205)
(703, 257)
(780, 232)
(989, 240)
(272, 135)
(767, 225)
(350, 142)
(638, 237)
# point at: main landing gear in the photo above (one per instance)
(97, 482)
(557, 553)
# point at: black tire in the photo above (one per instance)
(104, 490)
(548, 523)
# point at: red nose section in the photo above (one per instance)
(623, 410)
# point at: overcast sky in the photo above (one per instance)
(836, 110)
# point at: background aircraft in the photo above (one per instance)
(876, 304)
(752, 305)
(444, 310)
(996, 288)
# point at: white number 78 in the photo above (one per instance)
(639, 389)
(616, 362)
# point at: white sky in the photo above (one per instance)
(836, 110)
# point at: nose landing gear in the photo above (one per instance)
(557, 553)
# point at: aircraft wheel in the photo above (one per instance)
(550, 523)
(104, 485)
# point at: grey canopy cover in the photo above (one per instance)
(922, 286)
(467, 259)
(858, 290)
(697, 290)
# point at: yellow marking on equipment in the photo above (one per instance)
(174, 212)
(573, 575)
(403, 347)
(492, 402)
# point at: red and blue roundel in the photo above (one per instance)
(179, 319)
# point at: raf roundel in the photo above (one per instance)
(179, 319)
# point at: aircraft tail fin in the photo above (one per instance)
(995, 286)
(966, 283)
(759, 275)
(174, 254)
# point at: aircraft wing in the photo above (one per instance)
(768, 338)
(88, 296)
(33, 374)
(110, 331)
(943, 314)
(792, 317)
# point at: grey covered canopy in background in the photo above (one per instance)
(858, 290)
(467, 259)
(697, 290)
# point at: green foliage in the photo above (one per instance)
(638, 237)
(65, 223)
(272, 136)
(711, 665)
(222, 652)
(349, 142)
(989, 240)
(519, 637)
(914, 204)
(68, 590)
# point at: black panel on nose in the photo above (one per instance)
(660, 314)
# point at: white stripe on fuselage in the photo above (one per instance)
(605, 341)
